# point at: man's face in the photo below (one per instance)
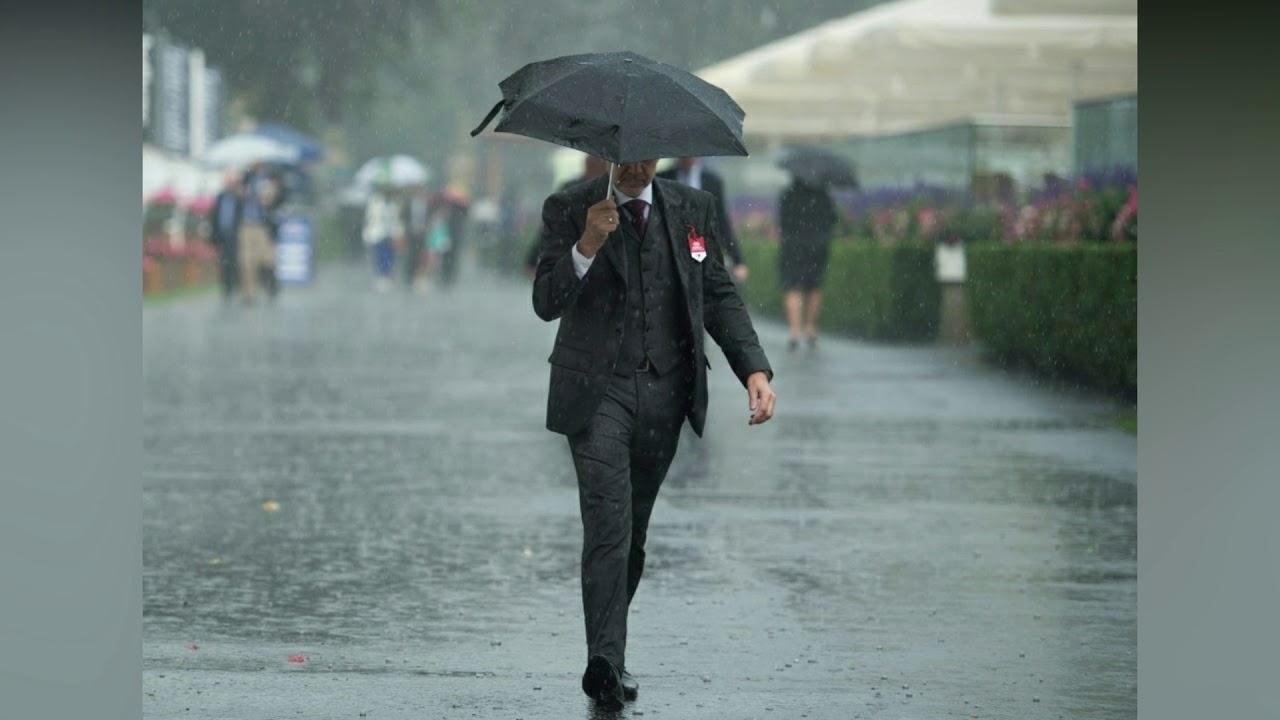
(633, 178)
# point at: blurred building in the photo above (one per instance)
(183, 112)
(1106, 134)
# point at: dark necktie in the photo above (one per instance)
(636, 209)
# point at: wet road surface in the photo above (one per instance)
(352, 509)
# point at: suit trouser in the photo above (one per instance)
(621, 459)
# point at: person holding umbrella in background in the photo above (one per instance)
(224, 229)
(382, 228)
(806, 217)
(256, 237)
(632, 268)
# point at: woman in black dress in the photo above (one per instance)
(806, 216)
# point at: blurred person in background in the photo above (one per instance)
(381, 228)
(224, 227)
(806, 216)
(416, 221)
(268, 183)
(257, 232)
(456, 207)
(692, 171)
(437, 241)
(592, 168)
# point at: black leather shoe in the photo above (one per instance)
(630, 688)
(602, 683)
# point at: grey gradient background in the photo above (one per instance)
(70, 382)
(1209, 364)
(70, 378)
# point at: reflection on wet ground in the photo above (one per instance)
(915, 535)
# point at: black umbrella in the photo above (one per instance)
(621, 107)
(818, 166)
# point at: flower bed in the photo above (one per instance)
(167, 266)
(1094, 208)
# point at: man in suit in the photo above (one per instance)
(691, 171)
(633, 271)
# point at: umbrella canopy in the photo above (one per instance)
(621, 107)
(309, 149)
(910, 65)
(817, 166)
(393, 170)
(244, 149)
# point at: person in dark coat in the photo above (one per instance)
(806, 216)
(224, 228)
(634, 272)
(692, 171)
(592, 168)
(456, 207)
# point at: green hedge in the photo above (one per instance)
(1070, 312)
(872, 291)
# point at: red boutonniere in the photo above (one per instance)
(697, 245)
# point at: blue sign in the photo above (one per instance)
(294, 256)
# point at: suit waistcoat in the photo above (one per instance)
(654, 325)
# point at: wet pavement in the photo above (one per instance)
(352, 509)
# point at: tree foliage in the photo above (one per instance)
(299, 61)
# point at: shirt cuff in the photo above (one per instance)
(581, 263)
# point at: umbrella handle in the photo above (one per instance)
(487, 118)
(608, 190)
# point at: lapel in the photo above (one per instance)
(673, 210)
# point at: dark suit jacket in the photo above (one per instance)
(714, 184)
(591, 309)
(531, 256)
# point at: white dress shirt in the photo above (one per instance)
(582, 263)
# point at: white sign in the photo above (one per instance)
(293, 251)
(949, 261)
